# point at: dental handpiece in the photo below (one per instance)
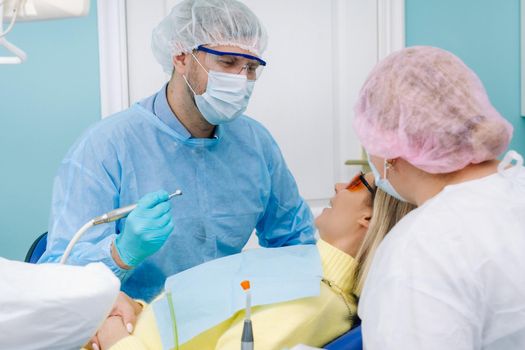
(120, 213)
(110, 216)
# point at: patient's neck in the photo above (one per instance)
(349, 243)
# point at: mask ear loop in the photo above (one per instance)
(200, 64)
(387, 165)
(186, 79)
(187, 83)
(510, 157)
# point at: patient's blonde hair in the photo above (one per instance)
(387, 212)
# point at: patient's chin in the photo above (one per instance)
(319, 220)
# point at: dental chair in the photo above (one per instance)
(37, 249)
(351, 340)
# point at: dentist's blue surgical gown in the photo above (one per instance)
(232, 184)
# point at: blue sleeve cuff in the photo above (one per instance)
(107, 259)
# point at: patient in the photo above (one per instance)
(314, 321)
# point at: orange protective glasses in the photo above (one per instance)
(358, 183)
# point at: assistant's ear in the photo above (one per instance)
(180, 63)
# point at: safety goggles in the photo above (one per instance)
(358, 183)
(233, 62)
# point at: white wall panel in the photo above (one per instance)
(145, 74)
(294, 98)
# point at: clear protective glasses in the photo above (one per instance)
(233, 62)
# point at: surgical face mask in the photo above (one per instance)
(383, 183)
(226, 97)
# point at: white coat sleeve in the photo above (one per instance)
(52, 306)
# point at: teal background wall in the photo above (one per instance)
(485, 34)
(45, 104)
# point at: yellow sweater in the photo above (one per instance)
(313, 321)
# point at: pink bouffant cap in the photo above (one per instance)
(423, 104)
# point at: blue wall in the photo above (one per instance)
(45, 104)
(483, 33)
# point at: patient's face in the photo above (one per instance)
(344, 224)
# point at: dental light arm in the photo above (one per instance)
(14, 11)
(19, 54)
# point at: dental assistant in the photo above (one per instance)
(191, 135)
(450, 275)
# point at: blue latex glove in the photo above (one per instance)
(146, 229)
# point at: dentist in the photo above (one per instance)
(191, 135)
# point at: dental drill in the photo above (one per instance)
(108, 217)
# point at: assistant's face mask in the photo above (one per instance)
(226, 96)
(383, 183)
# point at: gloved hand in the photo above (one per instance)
(146, 229)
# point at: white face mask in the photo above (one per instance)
(226, 96)
(383, 183)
